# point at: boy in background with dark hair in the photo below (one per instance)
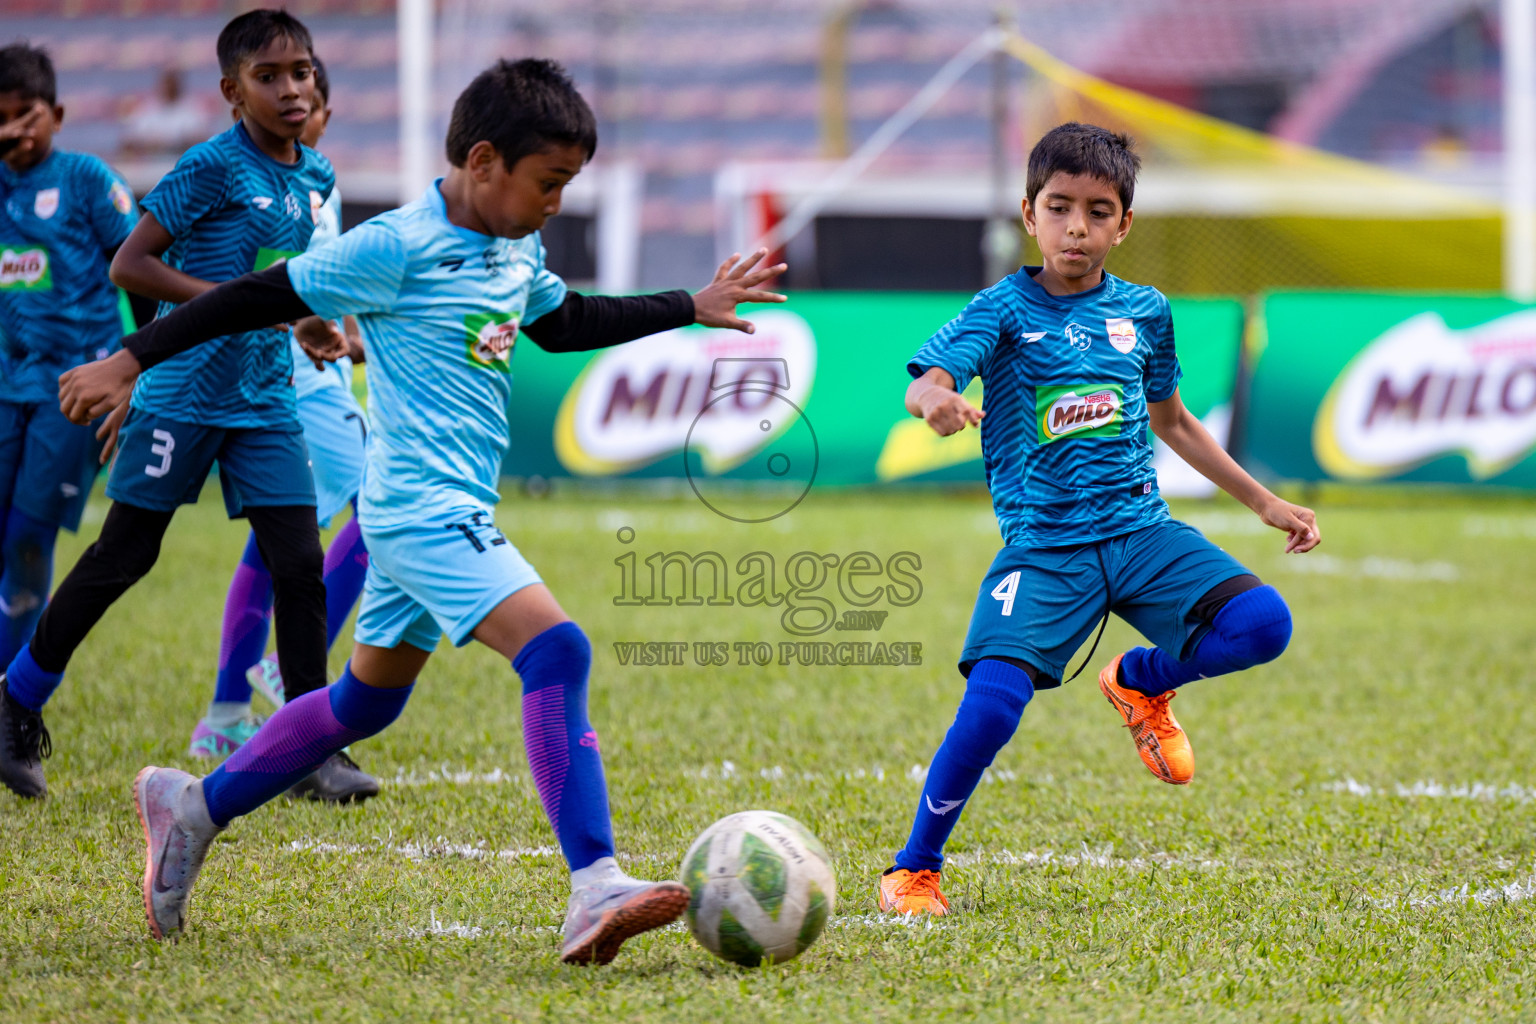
(62, 216)
(440, 288)
(335, 429)
(238, 202)
(1076, 365)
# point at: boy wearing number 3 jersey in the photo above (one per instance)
(1076, 365)
(440, 288)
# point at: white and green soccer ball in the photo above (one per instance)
(761, 888)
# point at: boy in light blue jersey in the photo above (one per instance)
(62, 216)
(1077, 364)
(240, 201)
(335, 428)
(440, 289)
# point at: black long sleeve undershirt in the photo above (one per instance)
(579, 324)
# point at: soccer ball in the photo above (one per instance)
(761, 888)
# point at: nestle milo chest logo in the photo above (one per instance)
(488, 339)
(24, 269)
(1079, 410)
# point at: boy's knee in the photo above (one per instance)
(561, 651)
(1262, 622)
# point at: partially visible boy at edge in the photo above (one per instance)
(440, 288)
(62, 217)
(1076, 365)
(233, 204)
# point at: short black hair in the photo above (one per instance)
(1075, 148)
(29, 71)
(520, 107)
(322, 81)
(250, 33)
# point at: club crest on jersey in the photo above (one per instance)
(24, 270)
(1078, 336)
(1079, 410)
(122, 199)
(489, 338)
(1122, 333)
(46, 204)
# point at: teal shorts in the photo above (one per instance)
(162, 464)
(1040, 604)
(336, 434)
(47, 464)
(443, 574)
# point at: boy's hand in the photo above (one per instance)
(108, 431)
(13, 132)
(1300, 523)
(947, 412)
(321, 340)
(95, 388)
(735, 282)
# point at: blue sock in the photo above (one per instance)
(29, 683)
(28, 557)
(247, 622)
(297, 740)
(1253, 627)
(346, 568)
(995, 697)
(562, 747)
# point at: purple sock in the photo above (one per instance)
(562, 746)
(297, 740)
(346, 567)
(247, 621)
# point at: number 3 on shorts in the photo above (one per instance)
(164, 445)
(1006, 591)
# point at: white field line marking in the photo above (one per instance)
(451, 777)
(1373, 567)
(1227, 524)
(775, 773)
(1523, 527)
(1485, 791)
(1518, 891)
(454, 930)
(927, 922)
(1102, 857)
(439, 848)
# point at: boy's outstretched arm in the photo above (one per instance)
(585, 322)
(138, 268)
(933, 397)
(244, 304)
(1187, 436)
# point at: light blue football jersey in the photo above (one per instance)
(58, 309)
(1066, 381)
(306, 379)
(439, 307)
(232, 209)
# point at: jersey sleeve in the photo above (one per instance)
(360, 272)
(546, 291)
(961, 346)
(194, 188)
(1162, 373)
(110, 206)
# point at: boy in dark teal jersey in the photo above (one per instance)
(236, 203)
(1077, 365)
(62, 216)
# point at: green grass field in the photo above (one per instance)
(1357, 845)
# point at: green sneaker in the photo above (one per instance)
(215, 743)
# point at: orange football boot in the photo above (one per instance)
(1160, 741)
(912, 892)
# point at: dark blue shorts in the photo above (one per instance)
(161, 464)
(47, 464)
(1040, 604)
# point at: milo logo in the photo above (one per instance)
(24, 270)
(1081, 410)
(488, 339)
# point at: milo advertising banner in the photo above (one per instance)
(815, 395)
(1396, 387)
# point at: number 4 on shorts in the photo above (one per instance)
(1006, 590)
